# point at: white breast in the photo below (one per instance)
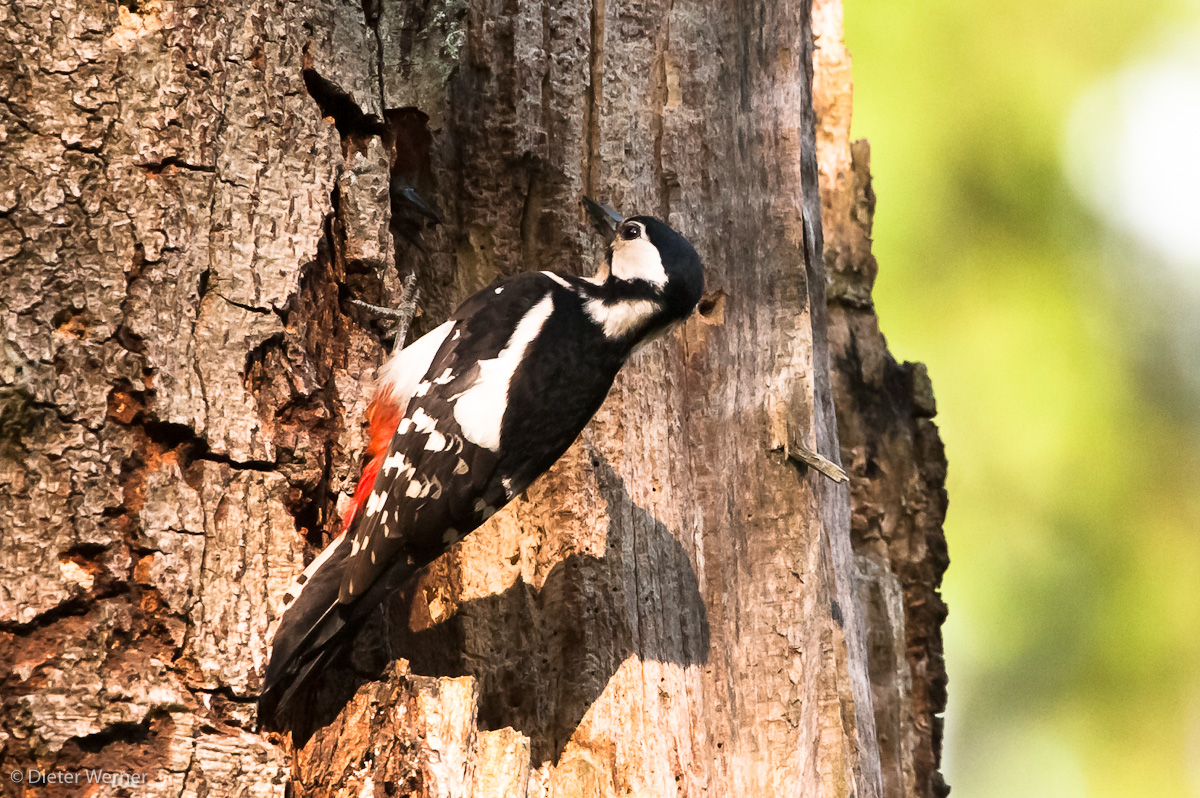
(622, 317)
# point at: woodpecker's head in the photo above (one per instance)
(650, 261)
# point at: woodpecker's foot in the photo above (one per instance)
(402, 315)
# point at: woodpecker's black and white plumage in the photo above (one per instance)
(466, 417)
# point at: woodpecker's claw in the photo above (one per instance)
(604, 218)
(402, 315)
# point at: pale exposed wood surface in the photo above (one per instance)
(188, 192)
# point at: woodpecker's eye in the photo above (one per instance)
(631, 231)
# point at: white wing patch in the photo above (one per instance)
(638, 260)
(559, 280)
(622, 317)
(480, 409)
(404, 370)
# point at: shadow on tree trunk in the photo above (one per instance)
(541, 656)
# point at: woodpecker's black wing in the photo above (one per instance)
(504, 397)
(434, 485)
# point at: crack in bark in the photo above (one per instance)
(74, 607)
(593, 100)
(244, 306)
(336, 103)
(175, 162)
(659, 121)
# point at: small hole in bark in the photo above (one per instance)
(68, 322)
(124, 403)
(712, 308)
(129, 340)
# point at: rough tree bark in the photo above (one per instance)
(190, 192)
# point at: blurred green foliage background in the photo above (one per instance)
(1037, 166)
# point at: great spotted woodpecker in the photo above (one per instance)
(466, 417)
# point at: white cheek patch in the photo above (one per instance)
(638, 260)
(623, 317)
(480, 409)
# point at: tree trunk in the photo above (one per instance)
(889, 446)
(189, 195)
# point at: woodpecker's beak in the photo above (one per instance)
(604, 218)
(605, 221)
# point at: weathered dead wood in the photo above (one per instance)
(189, 195)
(890, 447)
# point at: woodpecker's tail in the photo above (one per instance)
(315, 627)
(311, 632)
